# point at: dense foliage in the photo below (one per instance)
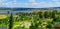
(42, 19)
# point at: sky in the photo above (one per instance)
(29, 3)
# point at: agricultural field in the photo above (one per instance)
(41, 19)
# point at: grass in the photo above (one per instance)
(2, 16)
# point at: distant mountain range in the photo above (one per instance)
(16, 10)
(25, 9)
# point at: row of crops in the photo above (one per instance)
(42, 19)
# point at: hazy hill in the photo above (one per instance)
(16, 10)
(25, 9)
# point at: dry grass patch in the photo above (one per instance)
(2, 16)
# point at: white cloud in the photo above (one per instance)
(56, 0)
(31, 4)
(1, 1)
(32, 1)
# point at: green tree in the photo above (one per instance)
(32, 26)
(11, 22)
(8, 12)
(40, 14)
(46, 14)
(53, 15)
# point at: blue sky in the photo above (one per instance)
(30, 3)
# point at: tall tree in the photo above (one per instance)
(40, 14)
(8, 12)
(53, 15)
(46, 14)
(11, 22)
